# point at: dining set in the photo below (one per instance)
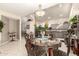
(49, 45)
(43, 46)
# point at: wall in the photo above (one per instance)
(5, 30)
(14, 26)
(10, 15)
(54, 21)
(23, 23)
(31, 23)
(75, 11)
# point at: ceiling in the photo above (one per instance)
(23, 9)
(55, 12)
(59, 11)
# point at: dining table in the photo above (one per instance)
(49, 45)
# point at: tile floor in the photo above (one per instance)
(17, 48)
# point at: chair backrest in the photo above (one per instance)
(26, 36)
(29, 48)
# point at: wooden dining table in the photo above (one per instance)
(49, 44)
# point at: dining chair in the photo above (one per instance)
(29, 48)
(39, 50)
(59, 53)
(75, 47)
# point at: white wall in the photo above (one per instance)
(23, 23)
(32, 28)
(31, 23)
(74, 10)
(10, 15)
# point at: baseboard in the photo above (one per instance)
(1, 44)
(4, 43)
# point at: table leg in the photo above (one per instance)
(12, 39)
(50, 51)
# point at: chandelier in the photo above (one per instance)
(40, 12)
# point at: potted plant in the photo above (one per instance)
(1, 27)
(37, 30)
(73, 22)
(46, 26)
(74, 19)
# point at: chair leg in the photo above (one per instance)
(68, 51)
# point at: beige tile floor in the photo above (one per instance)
(17, 48)
(64, 48)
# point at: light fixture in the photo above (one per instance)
(40, 12)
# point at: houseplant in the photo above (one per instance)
(46, 26)
(40, 28)
(71, 31)
(1, 27)
(73, 19)
(73, 22)
(36, 30)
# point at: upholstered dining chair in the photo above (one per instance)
(29, 48)
(35, 50)
(26, 36)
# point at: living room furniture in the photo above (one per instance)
(49, 45)
(12, 35)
